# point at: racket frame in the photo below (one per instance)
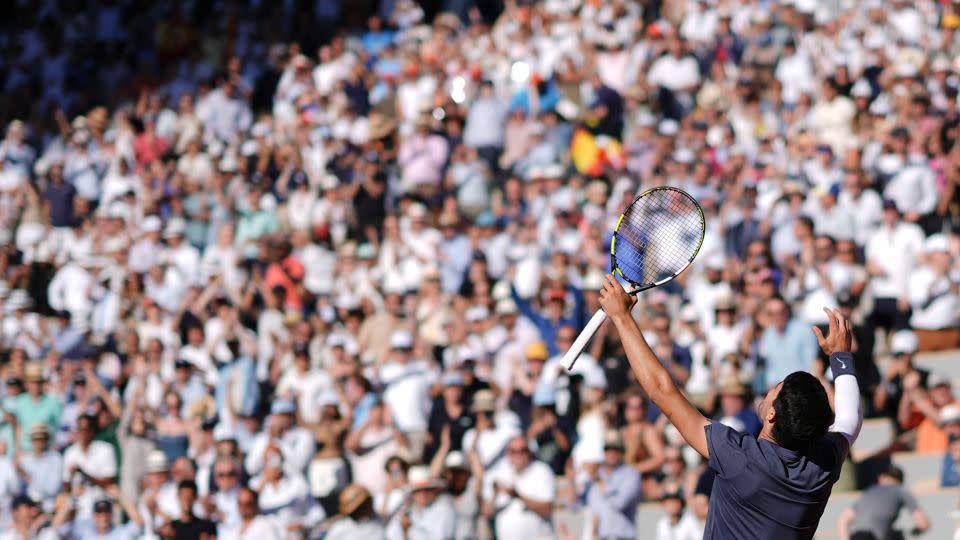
(570, 357)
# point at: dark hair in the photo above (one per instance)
(803, 411)
(187, 484)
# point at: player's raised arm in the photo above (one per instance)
(838, 344)
(651, 374)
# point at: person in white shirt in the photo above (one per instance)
(520, 492)
(677, 524)
(407, 383)
(677, 73)
(795, 72)
(303, 384)
(252, 525)
(865, 205)
(934, 298)
(284, 495)
(430, 515)
(179, 253)
(890, 275)
(88, 466)
(295, 442)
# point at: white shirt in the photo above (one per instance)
(9, 486)
(260, 528)
(795, 73)
(296, 444)
(68, 289)
(408, 393)
(914, 189)
(688, 528)
(867, 212)
(306, 388)
(98, 460)
(492, 444)
(378, 445)
(515, 521)
(186, 258)
(677, 74)
(935, 307)
(906, 240)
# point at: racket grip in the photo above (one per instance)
(581, 342)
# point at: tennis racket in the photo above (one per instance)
(655, 239)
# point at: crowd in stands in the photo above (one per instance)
(277, 270)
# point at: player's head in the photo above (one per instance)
(796, 411)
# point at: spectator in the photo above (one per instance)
(42, 468)
(677, 524)
(614, 491)
(35, 406)
(934, 413)
(903, 346)
(795, 346)
(102, 524)
(933, 298)
(360, 521)
(430, 513)
(187, 524)
(519, 492)
(89, 466)
(874, 514)
(252, 525)
(890, 283)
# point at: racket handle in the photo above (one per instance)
(581, 342)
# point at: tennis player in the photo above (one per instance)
(777, 485)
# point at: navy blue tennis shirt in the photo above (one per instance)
(765, 491)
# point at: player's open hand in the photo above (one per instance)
(840, 333)
(614, 300)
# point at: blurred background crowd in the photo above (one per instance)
(300, 269)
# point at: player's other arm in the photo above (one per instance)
(838, 345)
(653, 377)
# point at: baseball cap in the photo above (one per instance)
(282, 406)
(401, 340)
(949, 415)
(103, 505)
(903, 342)
(936, 379)
(537, 351)
(455, 460)
(452, 378)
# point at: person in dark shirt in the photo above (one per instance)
(606, 112)
(188, 526)
(449, 411)
(58, 198)
(775, 485)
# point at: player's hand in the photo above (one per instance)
(614, 300)
(840, 333)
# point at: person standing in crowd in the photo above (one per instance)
(677, 524)
(519, 493)
(873, 515)
(357, 518)
(614, 492)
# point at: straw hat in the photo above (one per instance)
(352, 497)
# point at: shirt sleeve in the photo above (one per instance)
(909, 502)
(727, 448)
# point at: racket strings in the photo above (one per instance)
(660, 233)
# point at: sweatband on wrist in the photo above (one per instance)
(841, 363)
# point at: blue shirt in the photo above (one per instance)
(247, 371)
(950, 476)
(793, 350)
(548, 328)
(46, 474)
(615, 506)
(765, 491)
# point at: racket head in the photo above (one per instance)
(657, 237)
